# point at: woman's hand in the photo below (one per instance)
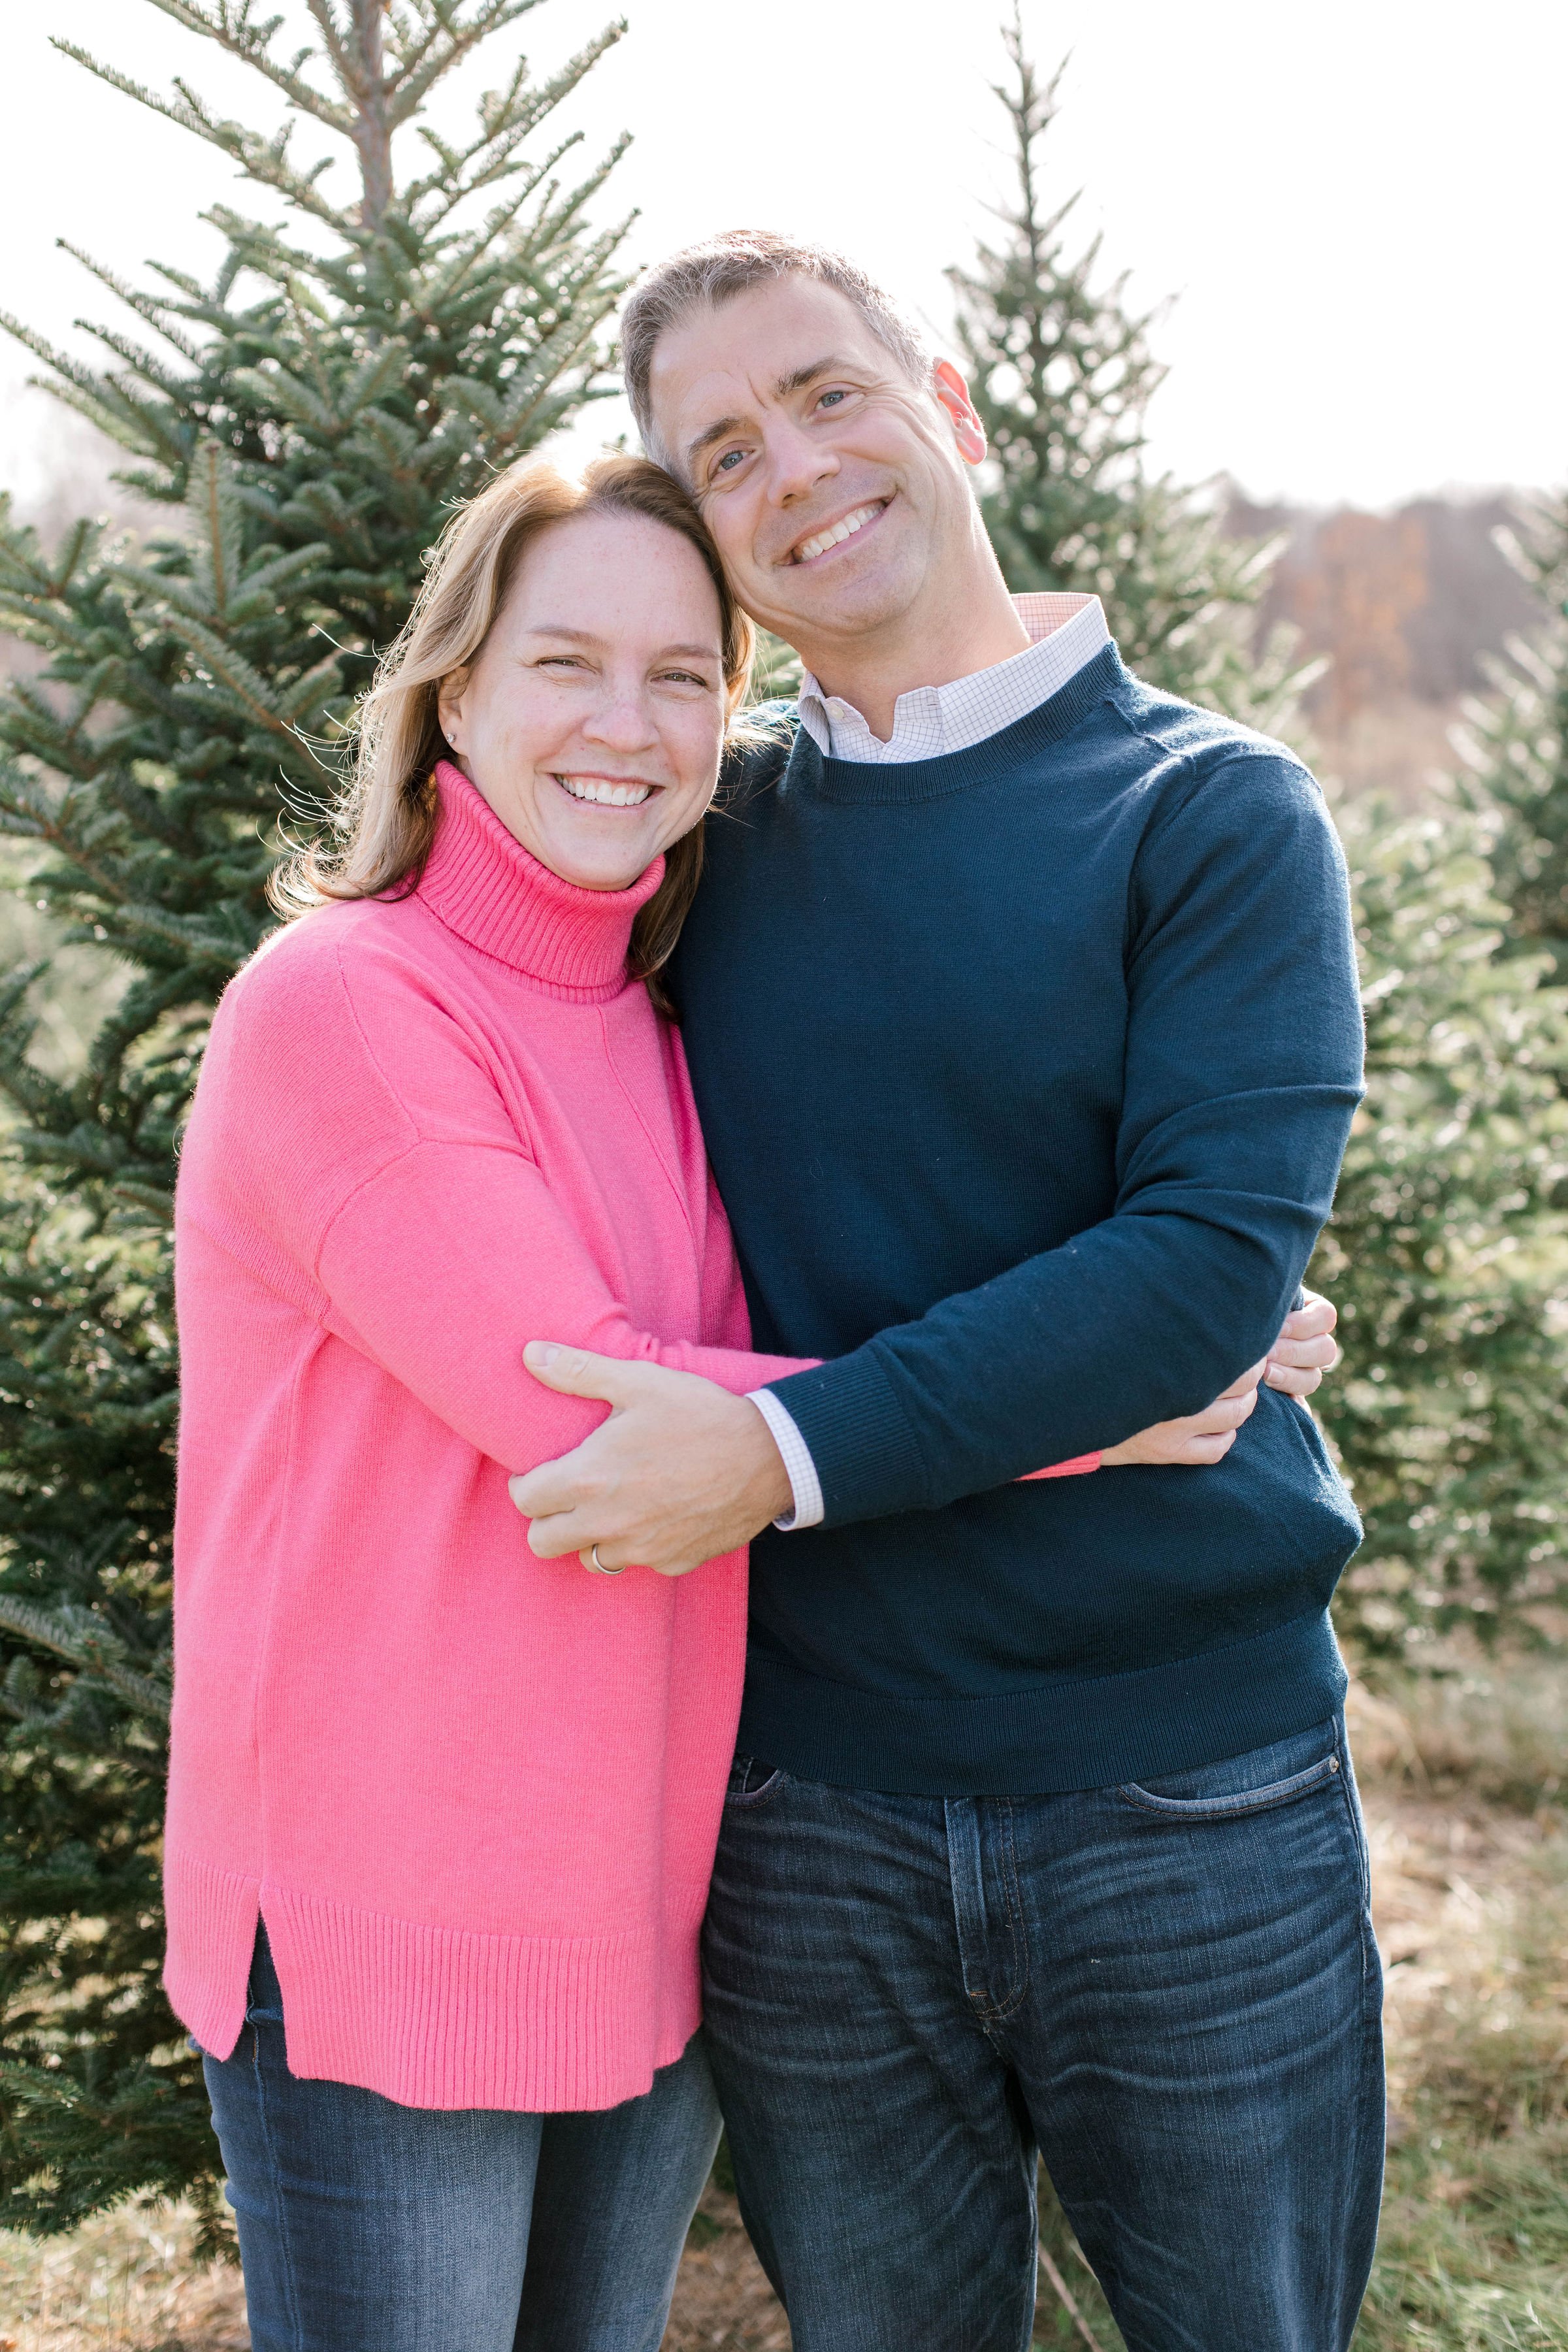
(1198, 1439)
(1305, 1349)
(1294, 1365)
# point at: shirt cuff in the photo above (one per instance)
(803, 1483)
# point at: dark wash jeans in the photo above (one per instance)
(1170, 1992)
(369, 2226)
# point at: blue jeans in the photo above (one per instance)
(1170, 1991)
(369, 2226)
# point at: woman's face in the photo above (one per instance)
(592, 721)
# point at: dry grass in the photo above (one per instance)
(1471, 1865)
(1463, 1782)
(125, 2281)
(723, 2301)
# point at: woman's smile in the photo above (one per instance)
(607, 792)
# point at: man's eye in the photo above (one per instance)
(728, 461)
(829, 398)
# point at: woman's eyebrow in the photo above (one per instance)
(588, 637)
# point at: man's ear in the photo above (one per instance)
(954, 393)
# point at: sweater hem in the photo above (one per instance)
(1083, 1732)
(432, 2016)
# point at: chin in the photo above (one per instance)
(867, 600)
(604, 871)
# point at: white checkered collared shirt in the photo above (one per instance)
(1064, 632)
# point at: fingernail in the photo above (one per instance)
(541, 1352)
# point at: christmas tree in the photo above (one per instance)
(1448, 1247)
(1062, 372)
(1446, 1253)
(308, 417)
(1519, 750)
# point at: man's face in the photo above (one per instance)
(837, 489)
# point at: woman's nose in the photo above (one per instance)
(623, 723)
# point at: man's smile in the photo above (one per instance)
(823, 540)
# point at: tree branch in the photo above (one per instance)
(232, 29)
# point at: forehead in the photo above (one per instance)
(737, 357)
(617, 569)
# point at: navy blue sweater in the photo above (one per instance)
(1025, 1072)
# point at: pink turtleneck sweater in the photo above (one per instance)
(474, 1794)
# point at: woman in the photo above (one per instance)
(446, 1809)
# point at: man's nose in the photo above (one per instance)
(796, 462)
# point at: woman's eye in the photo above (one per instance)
(561, 661)
(685, 678)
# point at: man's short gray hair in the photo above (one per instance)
(714, 272)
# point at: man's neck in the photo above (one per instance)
(972, 626)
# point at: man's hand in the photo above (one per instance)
(1305, 1349)
(680, 1473)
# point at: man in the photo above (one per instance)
(1021, 1009)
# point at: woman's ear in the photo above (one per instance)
(449, 708)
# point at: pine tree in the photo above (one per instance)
(1518, 749)
(307, 418)
(1062, 372)
(1448, 1248)
(1446, 1253)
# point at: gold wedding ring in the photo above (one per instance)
(596, 1563)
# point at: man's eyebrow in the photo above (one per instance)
(796, 381)
(713, 433)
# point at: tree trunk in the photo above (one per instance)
(373, 132)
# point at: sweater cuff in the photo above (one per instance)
(868, 1462)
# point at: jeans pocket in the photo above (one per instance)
(1231, 1803)
(752, 1783)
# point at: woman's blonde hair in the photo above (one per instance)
(384, 825)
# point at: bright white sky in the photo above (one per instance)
(1361, 204)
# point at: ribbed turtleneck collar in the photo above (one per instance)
(488, 888)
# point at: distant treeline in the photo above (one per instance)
(1403, 604)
